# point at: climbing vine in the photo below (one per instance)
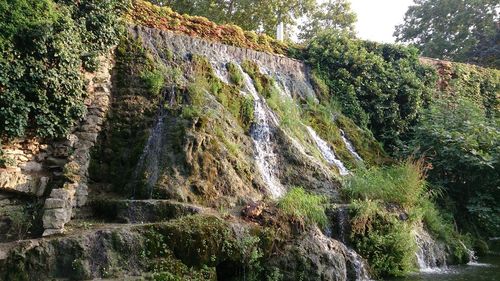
(43, 51)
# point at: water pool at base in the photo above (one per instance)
(486, 269)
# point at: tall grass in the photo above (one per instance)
(306, 206)
(402, 184)
(379, 196)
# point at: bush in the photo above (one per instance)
(387, 203)
(235, 74)
(379, 86)
(387, 243)
(305, 206)
(154, 81)
(462, 145)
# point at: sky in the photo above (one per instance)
(377, 18)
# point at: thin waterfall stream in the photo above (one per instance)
(430, 255)
(350, 146)
(327, 152)
(261, 133)
(147, 170)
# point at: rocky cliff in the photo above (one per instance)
(180, 127)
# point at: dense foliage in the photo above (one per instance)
(331, 15)
(461, 30)
(387, 205)
(463, 146)
(379, 86)
(248, 14)
(44, 47)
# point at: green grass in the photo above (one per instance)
(378, 196)
(306, 206)
(402, 184)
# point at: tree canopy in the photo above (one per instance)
(265, 15)
(329, 15)
(460, 30)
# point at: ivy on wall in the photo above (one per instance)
(44, 48)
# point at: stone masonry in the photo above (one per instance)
(58, 208)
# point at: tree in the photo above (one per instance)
(261, 15)
(461, 30)
(334, 14)
(463, 146)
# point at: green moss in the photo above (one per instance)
(154, 81)
(229, 96)
(321, 119)
(134, 108)
(263, 84)
(235, 74)
(363, 140)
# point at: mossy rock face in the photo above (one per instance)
(198, 148)
(82, 257)
(140, 211)
(186, 247)
(196, 241)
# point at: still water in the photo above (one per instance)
(486, 269)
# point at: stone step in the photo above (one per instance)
(140, 211)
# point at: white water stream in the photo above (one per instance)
(261, 133)
(431, 255)
(327, 152)
(349, 146)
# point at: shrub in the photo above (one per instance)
(379, 86)
(154, 81)
(461, 143)
(305, 206)
(379, 231)
(147, 14)
(387, 243)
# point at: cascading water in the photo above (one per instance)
(341, 220)
(431, 255)
(220, 71)
(147, 170)
(358, 265)
(349, 146)
(327, 152)
(261, 133)
(471, 253)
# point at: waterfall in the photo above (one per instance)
(149, 161)
(431, 255)
(327, 152)
(340, 218)
(356, 268)
(471, 253)
(358, 265)
(220, 71)
(349, 146)
(147, 170)
(261, 133)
